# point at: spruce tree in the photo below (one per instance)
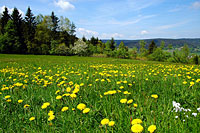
(4, 20)
(152, 47)
(55, 26)
(112, 44)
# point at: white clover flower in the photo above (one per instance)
(198, 109)
(176, 117)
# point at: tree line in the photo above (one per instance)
(56, 36)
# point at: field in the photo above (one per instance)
(86, 94)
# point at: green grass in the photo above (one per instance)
(42, 76)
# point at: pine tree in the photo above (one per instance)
(30, 26)
(152, 47)
(55, 26)
(112, 44)
(4, 20)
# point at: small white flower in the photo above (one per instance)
(184, 120)
(194, 114)
(198, 109)
(176, 117)
(186, 116)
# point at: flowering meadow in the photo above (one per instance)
(85, 94)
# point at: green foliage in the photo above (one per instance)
(80, 48)
(4, 20)
(159, 55)
(62, 49)
(196, 59)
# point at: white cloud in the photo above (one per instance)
(10, 10)
(108, 36)
(144, 32)
(196, 5)
(87, 33)
(64, 4)
(168, 26)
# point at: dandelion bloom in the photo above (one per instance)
(45, 105)
(130, 101)
(26, 105)
(81, 106)
(64, 109)
(152, 128)
(111, 123)
(105, 121)
(86, 110)
(154, 96)
(8, 96)
(32, 118)
(9, 100)
(50, 113)
(136, 121)
(137, 128)
(184, 82)
(58, 97)
(123, 100)
(51, 117)
(135, 105)
(20, 101)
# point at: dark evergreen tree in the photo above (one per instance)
(55, 22)
(30, 26)
(71, 33)
(112, 44)
(84, 39)
(152, 47)
(4, 20)
(18, 26)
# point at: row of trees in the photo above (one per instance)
(52, 35)
(35, 34)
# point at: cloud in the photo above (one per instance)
(144, 32)
(86, 33)
(108, 36)
(10, 10)
(89, 33)
(168, 26)
(196, 5)
(64, 4)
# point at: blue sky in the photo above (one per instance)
(121, 19)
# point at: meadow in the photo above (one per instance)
(86, 94)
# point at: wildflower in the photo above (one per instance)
(64, 109)
(26, 106)
(57, 91)
(20, 101)
(73, 95)
(58, 97)
(121, 87)
(137, 128)
(136, 121)
(9, 100)
(86, 110)
(154, 96)
(32, 118)
(111, 123)
(51, 117)
(8, 96)
(81, 106)
(68, 89)
(152, 128)
(130, 101)
(50, 113)
(191, 83)
(135, 105)
(73, 109)
(194, 114)
(123, 100)
(184, 82)
(104, 121)
(45, 105)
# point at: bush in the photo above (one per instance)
(159, 55)
(80, 48)
(62, 49)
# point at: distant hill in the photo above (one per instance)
(192, 43)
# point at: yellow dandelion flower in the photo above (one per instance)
(111, 123)
(20, 101)
(104, 121)
(86, 110)
(8, 100)
(58, 97)
(136, 121)
(32, 118)
(137, 128)
(152, 128)
(154, 96)
(123, 100)
(135, 105)
(26, 106)
(64, 109)
(130, 101)
(81, 106)
(8, 96)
